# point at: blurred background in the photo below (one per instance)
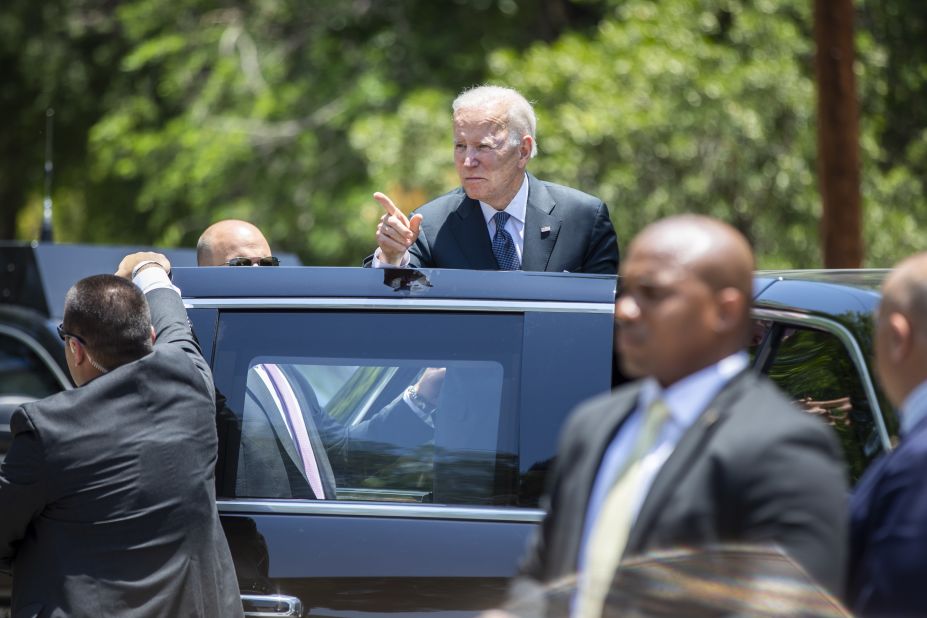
(290, 113)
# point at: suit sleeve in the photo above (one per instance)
(602, 253)
(170, 321)
(795, 496)
(888, 551)
(22, 487)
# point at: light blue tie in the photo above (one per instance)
(503, 247)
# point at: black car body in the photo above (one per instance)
(436, 525)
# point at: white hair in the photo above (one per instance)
(520, 119)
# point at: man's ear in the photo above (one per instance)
(524, 150)
(77, 351)
(900, 336)
(730, 309)
(154, 335)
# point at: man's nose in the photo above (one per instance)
(626, 309)
(471, 160)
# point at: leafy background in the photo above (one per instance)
(290, 113)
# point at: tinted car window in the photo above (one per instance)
(814, 368)
(22, 372)
(319, 400)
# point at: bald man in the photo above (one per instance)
(888, 511)
(232, 242)
(699, 450)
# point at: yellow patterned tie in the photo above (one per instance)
(609, 535)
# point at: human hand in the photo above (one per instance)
(430, 383)
(395, 232)
(129, 262)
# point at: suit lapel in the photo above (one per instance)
(258, 390)
(469, 229)
(541, 227)
(580, 477)
(690, 447)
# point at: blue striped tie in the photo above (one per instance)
(502, 244)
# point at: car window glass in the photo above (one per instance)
(814, 368)
(22, 372)
(422, 422)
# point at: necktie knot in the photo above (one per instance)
(501, 218)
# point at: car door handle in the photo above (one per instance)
(271, 605)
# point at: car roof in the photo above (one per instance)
(828, 292)
(349, 282)
(38, 275)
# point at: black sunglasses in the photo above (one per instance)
(261, 261)
(65, 334)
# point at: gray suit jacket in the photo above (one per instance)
(565, 230)
(752, 469)
(108, 491)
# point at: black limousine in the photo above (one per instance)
(428, 514)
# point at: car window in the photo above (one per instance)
(397, 407)
(814, 368)
(22, 372)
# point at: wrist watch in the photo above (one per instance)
(420, 402)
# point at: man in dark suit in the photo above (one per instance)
(701, 450)
(108, 489)
(501, 218)
(888, 510)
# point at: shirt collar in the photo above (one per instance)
(914, 408)
(688, 398)
(516, 208)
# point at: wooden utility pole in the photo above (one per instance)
(838, 134)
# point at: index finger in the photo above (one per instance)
(389, 206)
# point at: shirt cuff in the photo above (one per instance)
(152, 279)
(378, 263)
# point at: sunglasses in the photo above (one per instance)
(255, 261)
(65, 334)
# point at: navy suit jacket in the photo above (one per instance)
(888, 532)
(565, 230)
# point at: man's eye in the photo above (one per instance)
(651, 292)
(485, 147)
(459, 146)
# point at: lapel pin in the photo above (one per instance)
(545, 229)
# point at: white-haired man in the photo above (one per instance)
(501, 217)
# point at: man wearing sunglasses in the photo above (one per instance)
(232, 242)
(108, 490)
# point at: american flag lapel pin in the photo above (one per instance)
(545, 229)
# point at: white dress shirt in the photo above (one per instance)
(515, 226)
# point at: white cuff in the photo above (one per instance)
(152, 279)
(378, 263)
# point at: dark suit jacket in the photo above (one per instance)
(751, 469)
(581, 238)
(888, 525)
(108, 491)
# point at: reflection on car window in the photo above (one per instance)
(425, 425)
(22, 372)
(814, 368)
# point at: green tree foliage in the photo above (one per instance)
(290, 114)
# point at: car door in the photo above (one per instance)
(431, 509)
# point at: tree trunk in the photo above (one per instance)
(838, 135)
